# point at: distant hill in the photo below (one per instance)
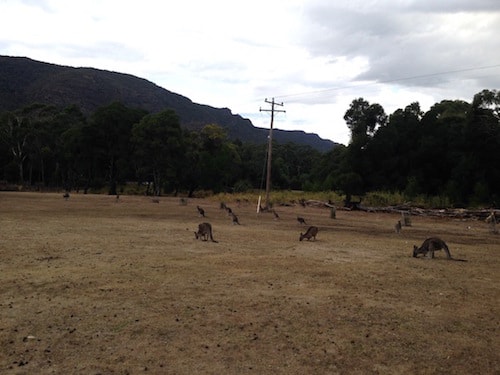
(24, 81)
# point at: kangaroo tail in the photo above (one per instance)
(212, 238)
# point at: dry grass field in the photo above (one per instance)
(91, 285)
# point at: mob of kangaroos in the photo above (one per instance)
(432, 244)
(204, 232)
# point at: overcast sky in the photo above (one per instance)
(315, 56)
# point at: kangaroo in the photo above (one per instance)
(204, 232)
(301, 220)
(66, 196)
(201, 211)
(398, 227)
(311, 232)
(405, 216)
(492, 221)
(429, 246)
(434, 244)
(276, 216)
(235, 219)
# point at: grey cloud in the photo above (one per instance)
(454, 6)
(404, 42)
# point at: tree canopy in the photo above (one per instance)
(451, 150)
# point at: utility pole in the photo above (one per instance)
(270, 146)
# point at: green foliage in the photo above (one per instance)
(440, 154)
(447, 156)
(279, 197)
(109, 132)
(159, 148)
(379, 199)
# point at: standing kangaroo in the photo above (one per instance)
(311, 232)
(301, 220)
(204, 232)
(429, 246)
(201, 211)
(235, 219)
(398, 226)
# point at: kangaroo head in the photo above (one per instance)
(415, 251)
(301, 237)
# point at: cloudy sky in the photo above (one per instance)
(314, 56)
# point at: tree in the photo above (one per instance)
(293, 165)
(253, 158)
(363, 119)
(110, 127)
(70, 148)
(219, 162)
(327, 171)
(350, 184)
(441, 145)
(159, 148)
(14, 134)
(392, 148)
(43, 143)
(483, 142)
(20, 130)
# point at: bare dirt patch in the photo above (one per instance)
(92, 285)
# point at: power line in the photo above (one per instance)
(389, 81)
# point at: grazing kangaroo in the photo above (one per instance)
(301, 220)
(204, 232)
(311, 232)
(66, 196)
(434, 244)
(201, 211)
(429, 246)
(398, 227)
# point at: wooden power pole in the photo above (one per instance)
(270, 146)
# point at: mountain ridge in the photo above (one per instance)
(24, 81)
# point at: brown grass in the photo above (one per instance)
(94, 286)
